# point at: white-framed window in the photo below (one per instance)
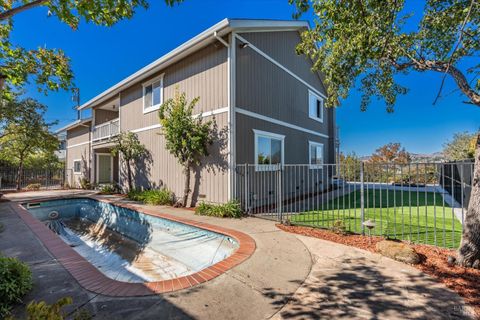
(315, 155)
(315, 106)
(269, 150)
(153, 94)
(77, 166)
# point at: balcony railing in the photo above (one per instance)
(106, 130)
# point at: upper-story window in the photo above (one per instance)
(316, 155)
(315, 106)
(153, 94)
(269, 150)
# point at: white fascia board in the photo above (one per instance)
(72, 125)
(178, 53)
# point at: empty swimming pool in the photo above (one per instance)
(130, 246)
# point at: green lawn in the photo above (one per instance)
(419, 219)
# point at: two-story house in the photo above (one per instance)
(266, 102)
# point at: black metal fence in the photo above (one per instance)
(456, 179)
(415, 201)
(32, 179)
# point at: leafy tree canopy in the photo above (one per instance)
(390, 153)
(370, 42)
(461, 147)
(48, 68)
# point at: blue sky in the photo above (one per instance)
(103, 56)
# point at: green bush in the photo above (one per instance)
(43, 311)
(15, 282)
(85, 184)
(153, 197)
(109, 189)
(33, 186)
(158, 197)
(230, 209)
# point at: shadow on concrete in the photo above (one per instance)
(358, 290)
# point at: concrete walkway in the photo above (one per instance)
(349, 283)
(277, 281)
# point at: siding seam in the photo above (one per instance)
(279, 122)
(278, 64)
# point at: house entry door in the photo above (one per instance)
(104, 169)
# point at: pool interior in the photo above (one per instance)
(130, 246)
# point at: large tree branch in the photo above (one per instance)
(445, 68)
(10, 13)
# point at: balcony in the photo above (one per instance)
(106, 130)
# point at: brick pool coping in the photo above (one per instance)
(95, 281)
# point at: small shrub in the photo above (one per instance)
(33, 187)
(15, 282)
(339, 227)
(153, 197)
(44, 311)
(158, 197)
(109, 189)
(135, 195)
(85, 184)
(230, 209)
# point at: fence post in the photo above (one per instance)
(362, 196)
(246, 187)
(280, 211)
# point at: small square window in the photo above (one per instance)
(316, 155)
(153, 95)
(315, 106)
(77, 166)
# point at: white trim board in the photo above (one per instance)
(78, 144)
(203, 114)
(279, 122)
(278, 64)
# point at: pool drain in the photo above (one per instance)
(53, 215)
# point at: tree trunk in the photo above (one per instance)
(469, 251)
(186, 190)
(19, 175)
(129, 176)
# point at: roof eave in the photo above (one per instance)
(201, 40)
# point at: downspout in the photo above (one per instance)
(230, 114)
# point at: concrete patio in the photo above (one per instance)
(288, 276)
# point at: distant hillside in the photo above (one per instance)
(419, 157)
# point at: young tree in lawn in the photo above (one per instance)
(461, 147)
(368, 42)
(50, 68)
(129, 147)
(187, 137)
(27, 136)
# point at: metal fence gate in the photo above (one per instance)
(33, 178)
(419, 202)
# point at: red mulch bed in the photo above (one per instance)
(464, 281)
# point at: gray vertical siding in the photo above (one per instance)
(209, 181)
(102, 116)
(202, 74)
(265, 89)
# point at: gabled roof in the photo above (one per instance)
(74, 124)
(201, 40)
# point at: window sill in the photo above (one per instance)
(316, 119)
(151, 109)
(316, 167)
